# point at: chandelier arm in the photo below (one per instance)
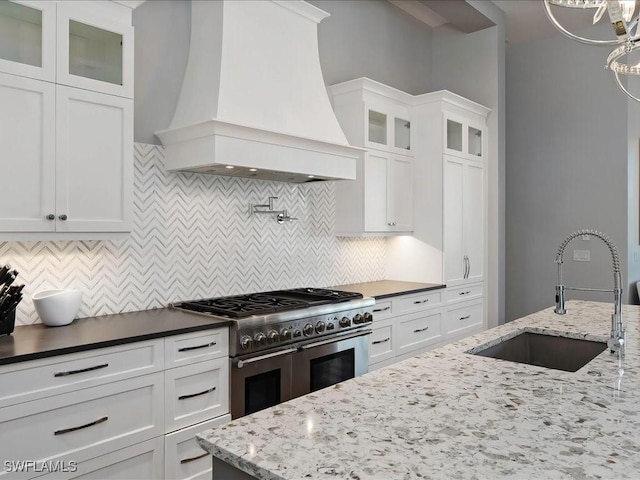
(586, 41)
(623, 88)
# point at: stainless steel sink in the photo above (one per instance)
(560, 353)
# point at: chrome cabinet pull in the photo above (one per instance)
(421, 329)
(184, 397)
(62, 217)
(418, 302)
(82, 370)
(193, 459)
(375, 310)
(73, 429)
(468, 266)
(465, 317)
(186, 349)
(51, 216)
(380, 341)
(465, 293)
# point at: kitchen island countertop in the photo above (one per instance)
(450, 414)
(388, 288)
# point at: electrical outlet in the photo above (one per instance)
(582, 255)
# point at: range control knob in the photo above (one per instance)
(330, 326)
(368, 317)
(285, 334)
(273, 336)
(320, 326)
(307, 329)
(297, 333)
(358, 319)
(245, 342)
(260, 339)
(345, 322)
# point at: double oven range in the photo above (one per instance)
(287, 343)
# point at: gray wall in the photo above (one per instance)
(566, 168)
(162, 48)
(369, 38)
(372, 38)
(473, 65)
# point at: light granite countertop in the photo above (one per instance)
(449, 414)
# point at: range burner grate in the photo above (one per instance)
(240, 306)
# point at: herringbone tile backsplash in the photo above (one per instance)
(193, 238)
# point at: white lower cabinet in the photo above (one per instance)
(113, 413)
(195, 393)
(196, 399)
(407, 325)
(381, 341)
(418, 330)
(83, 424)
(464, 319)
(142, 461)
(184, 459)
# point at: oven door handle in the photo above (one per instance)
(241, 363)
(360, 333)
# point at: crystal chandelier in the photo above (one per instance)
(625, 27)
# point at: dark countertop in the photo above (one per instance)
(30, 342)
(388, 288)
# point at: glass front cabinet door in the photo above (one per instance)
(27, 39)
(463, 139)
(388, 130)
(87, 45)
(95, 47)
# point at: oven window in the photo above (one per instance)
(331, 369)
(261, 391)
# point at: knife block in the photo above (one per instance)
(7, 322)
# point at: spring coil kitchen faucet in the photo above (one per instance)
(617, 338)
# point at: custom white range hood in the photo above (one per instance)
(253, 100)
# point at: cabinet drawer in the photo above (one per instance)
(196, 347)
(143, 460)
(184, 459)
(381, 341)
(463, 319)
(382, 310)
(467, 292)
(36, 379)
(195, 393)
(418, 330)
(84, 424)
(413, 303)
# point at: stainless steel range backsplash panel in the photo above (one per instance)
(193, 238)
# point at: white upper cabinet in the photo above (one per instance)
(463, 137)
(380, 200)
(95, 47)
(66, 122)
(94, 166)
(87, 45)
(388, 128)
(27, 39)
(27, 143)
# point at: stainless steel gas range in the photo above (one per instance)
(287, 343)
